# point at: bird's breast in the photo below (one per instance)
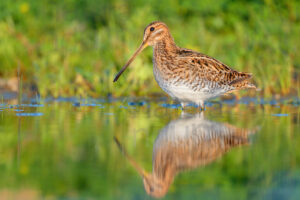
(184, 90)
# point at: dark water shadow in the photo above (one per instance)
(184, 144)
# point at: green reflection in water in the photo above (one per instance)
(70, 152)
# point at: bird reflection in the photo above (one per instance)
(184, 144)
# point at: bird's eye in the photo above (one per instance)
(152, 29)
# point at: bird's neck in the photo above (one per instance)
(165, 46)
(164, 52)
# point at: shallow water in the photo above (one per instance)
(135, 149)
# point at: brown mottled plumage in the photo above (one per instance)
(185, 144)
(186, 75)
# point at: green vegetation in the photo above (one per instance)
(75, 47)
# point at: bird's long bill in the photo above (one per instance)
(143, 45)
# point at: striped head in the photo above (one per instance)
(153, 33)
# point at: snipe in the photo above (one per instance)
(184, 74)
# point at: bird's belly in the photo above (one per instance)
(184, 92)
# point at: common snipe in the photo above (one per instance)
(186, 75)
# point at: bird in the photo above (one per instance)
(185, 75)
(184, 144)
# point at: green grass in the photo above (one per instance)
(76, 47)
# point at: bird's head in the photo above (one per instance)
(153, 33)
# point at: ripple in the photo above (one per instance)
(141, 103)
(174, 106)
(29, 114)
(280, 115)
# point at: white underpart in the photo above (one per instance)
(185, 93)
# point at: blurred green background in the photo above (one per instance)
(75, 47)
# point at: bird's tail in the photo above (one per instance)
(243, 82)
(246, 84)
(249, 85)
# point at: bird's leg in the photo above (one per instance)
(201, 105)
(183, 105)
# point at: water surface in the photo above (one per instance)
(137, 149)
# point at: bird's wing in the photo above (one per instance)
(210, 69)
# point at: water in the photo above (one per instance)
(138, 149)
